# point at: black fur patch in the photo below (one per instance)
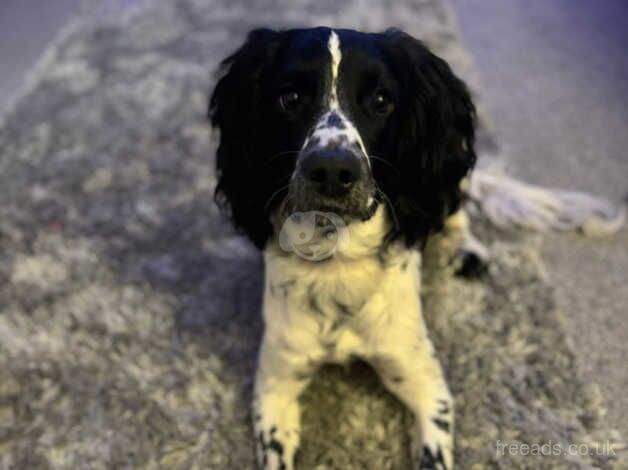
(284, 287)
(338, 322)
(337, 142)
(441, 423)
(472, 266)
(335, 121)
(381, 257)
(313, 141)
(312, 300)
(432, 461)
(343, 309)
(273, 445)
(276, 446)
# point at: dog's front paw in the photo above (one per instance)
(470, 264)
(271, 450)
(437, 445)
(434, 450)
(277, 430)
(472, 258)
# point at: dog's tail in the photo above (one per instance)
(509, 203)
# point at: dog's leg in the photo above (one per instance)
(470, 256)
(281, 377)
(410, 370)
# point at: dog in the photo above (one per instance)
(340, 153)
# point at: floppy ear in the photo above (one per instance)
(434, 137)
(234, 109)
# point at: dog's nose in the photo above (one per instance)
(332, 171)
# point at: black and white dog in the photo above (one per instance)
(340, 153)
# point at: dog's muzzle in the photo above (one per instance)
(332, 178)
(332, 172)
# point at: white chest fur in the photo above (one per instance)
(331, 310)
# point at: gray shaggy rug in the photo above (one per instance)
(129, 316)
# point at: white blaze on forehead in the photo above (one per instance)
(336, 56)
(333, 127)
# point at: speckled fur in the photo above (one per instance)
(361, 303)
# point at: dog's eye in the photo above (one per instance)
(382, 104)
(289, 101)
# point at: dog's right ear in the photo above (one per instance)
(234, 109)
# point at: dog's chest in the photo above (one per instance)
(329, 308)
(328, 304)
(330, 289)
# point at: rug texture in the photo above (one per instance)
(130, 319)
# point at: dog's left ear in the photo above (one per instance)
(434, 141)
(234, 108)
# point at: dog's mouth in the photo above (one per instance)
(358, 204)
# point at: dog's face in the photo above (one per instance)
(340, 121)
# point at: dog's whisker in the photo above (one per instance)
(393, 213)
(282, 154)
(273, 196)
(383, 160)
(287, 201)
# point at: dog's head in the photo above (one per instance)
(340, 121)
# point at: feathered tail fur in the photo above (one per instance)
(509, 203)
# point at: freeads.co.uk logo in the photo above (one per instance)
(314, 235)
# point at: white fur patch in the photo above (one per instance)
(336, 56)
